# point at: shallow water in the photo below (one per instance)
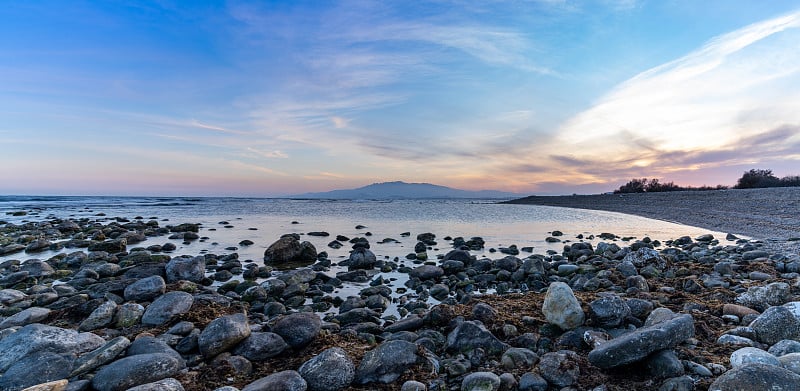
(264, 220)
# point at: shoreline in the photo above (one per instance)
(770, 214)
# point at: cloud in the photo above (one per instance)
(268, 154)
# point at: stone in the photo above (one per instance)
(762, 297)
(186, 268)
(145, 289)
(561, 368)
(427, 272)
(283, 381)
(36, 337)
(168, 384)
(783, 347)
(683, 383)
(531, 381)
(361, 258)
(750, 355)
(775, 324)
(413, 385)
(640, 343)
(36, 368)
(58, 385)
(146, 344)
(643, 257)
(260, 346)
(480, 381)
(664, 364)
(222, 334)
(100, 317)
(756, 377)
(111, 246)
(484, 313)
(387, 362)
(136, 370)
(25, 317)
(100, 356)
(331, 370)
(514, 358)
(791, 362)
(609, 311)
(298, 329)
(561, 308)
(128, 314)
(167, 306)
(471, 335)
(37, 268)
(289, 249)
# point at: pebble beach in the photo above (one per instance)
(120, 311)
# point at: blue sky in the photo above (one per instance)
(276, 98)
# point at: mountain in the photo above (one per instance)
(403, 190)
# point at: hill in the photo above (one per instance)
(403, 190)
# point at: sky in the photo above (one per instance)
(272, 98)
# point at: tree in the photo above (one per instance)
(757, 178)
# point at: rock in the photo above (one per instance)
(260, 346)
(168, 384)
(413, 385)
(737, 310)
(387, 362)
(361, 258)
(136, 370)
(11, 296)
(37, 268)
(683, 383)
(664, 364)
(411, 323)
(58, 385)
(146, 344)
(427, 272)
(222, 334)
(561, 368)
(99, 356)
(754, 254)
(35, 338)
(145, 289)
(25, 317)
(298, 329)
(481, 381)
(168, 305)
(750, 355)
(128, 315)
(783, 347)
(331, 370)
(470, 335)
(532, 381)
(111, 246)
(484, 313)
(762, 297)
(609, 311)
(186, 268)
(289, 249)
(100, 317)
(36, 368)
(561, 308)
(514, 358)
(642, 257)
(283, 381)
(640, 343)
(791, 362)
(756, 377)
(775, 324)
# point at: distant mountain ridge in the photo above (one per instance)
(402, 190)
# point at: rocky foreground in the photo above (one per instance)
(687, 314)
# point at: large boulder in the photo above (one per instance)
(25, 317)
(289, 249)
(640, 343)
(331, 370)
(37, 368)
(756, 377)
(135, 370)
(145, 289)
(298, 329)
(361, 258)
(168, 305)
(186, 268)
(222, 334)
(260, 346)
(35, 338)
(561, 307)
(775, 324)
(99, 356)
(387, 362)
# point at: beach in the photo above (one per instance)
(771, 214)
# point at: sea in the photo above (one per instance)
(225, 222)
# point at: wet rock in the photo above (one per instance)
(37, 268)
(756, 377)
(561, 308)
(561, 368)
(298, 329)
(387, 362)
(284, 381)
(481, 381)
(222, 334)
(168, 305)
(427, 272)
(260, 346)
(111, 246)
(36, 338)
(361, 258)
(331, 370)
(470, 335)
(289, 249)
(135, 370)
(638, 344)
(186, 268)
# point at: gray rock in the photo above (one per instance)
(608, 311)
(640, 343)
(361, 258)
(664, 364)
(532, 381)
(298, 329)
(128, 314)
(331, 370)
(561, 368)
(151, 345)
(683, 383)
(37, 268)
(750, 355)
(100, 317)
(37, 368)
(775, 324)
(260, 346)
(480, 381)
(413, 385)
(561, 308)
(643, 257)
(186, 268)
(411, 323)
(791, 362)
(754, 254)
(100, 356)
(145, 289)
(471, 335)
(514, 358)
(757, 377)
(762, 297)
(783, 347)
(168, 384)
(387, 362)
(25, 317)
(35, 338)
(222, 334)
(281, 381)
(168, 305)
(289, 249)
(11, 296)
(427, 272)
(136, 370)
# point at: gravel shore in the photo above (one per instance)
(771, 215)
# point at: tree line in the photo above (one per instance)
(752, 179)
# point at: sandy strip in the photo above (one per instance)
(771, 215)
